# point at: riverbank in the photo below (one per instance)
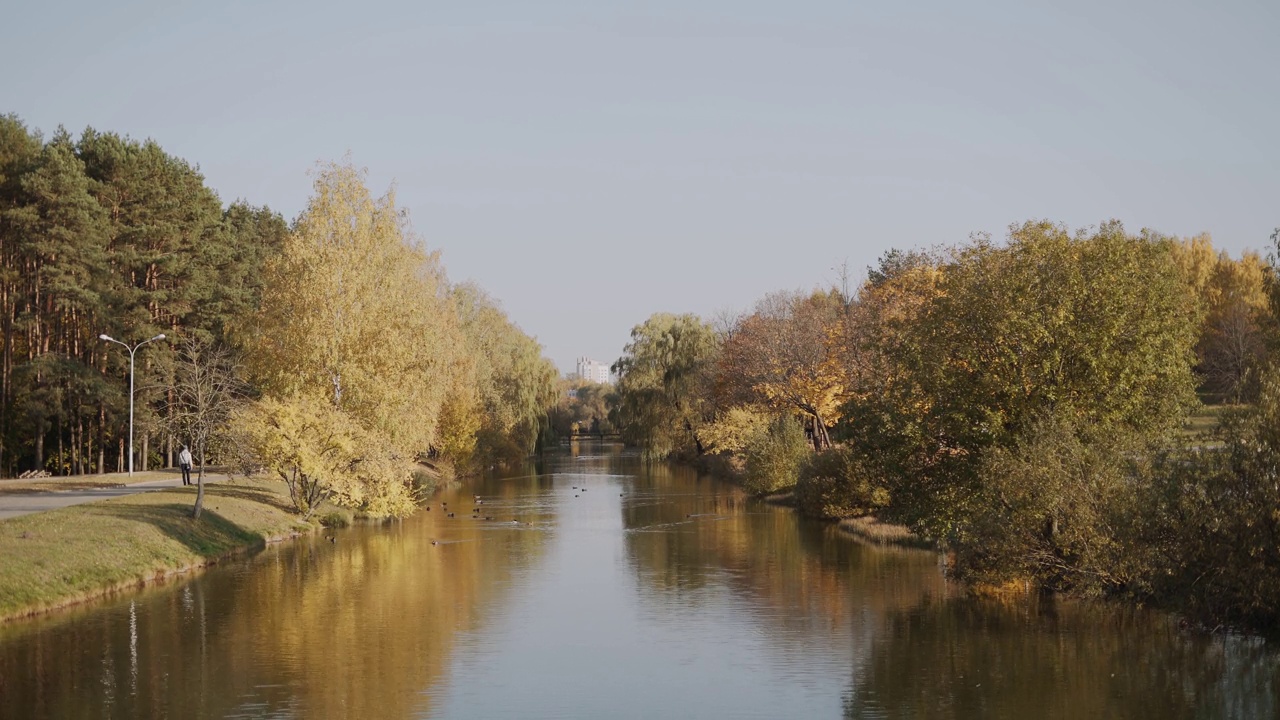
(866, 528)
(869, 528)
(53, 559)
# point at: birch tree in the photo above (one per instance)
(354, 311)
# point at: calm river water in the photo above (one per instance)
(606, 588)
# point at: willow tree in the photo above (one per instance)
(352, 311)
(515, 384)
(664, 381)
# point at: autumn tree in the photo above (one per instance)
(582, 404)
(1093, 328)
(591, 401)
(1236, 316)
(314, 448)
(108, 235)
(787, 355)
(878, 341)
(353, 311)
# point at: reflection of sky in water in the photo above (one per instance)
(589, 638)
(650, 593)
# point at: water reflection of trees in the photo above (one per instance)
(806, 585)
(918, 648)
(356, 628)
(964, 658)
(368, 626)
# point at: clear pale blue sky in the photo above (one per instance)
(590, 162)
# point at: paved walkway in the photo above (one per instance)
(25, 503)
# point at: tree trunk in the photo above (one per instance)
(102, 439)
(75, 447)
(195, 513)
(6, 366)
(821, 438)
(62, 452)
(146, 444)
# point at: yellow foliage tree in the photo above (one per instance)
(354, 311)
(306, 443)
(1232, 342)
(460, 415)
(733, 429)
(1235, 309)
(787, 354)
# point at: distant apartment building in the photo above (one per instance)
(592, 371)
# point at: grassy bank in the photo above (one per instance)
(81, 482)
(866, 528)
(65, 556)
(870, 529)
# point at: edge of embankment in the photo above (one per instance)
(64, 557)
(866, 528)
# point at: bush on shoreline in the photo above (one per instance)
(840, 483)
(1212, 532)
(774, 456)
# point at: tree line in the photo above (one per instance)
(107, 235)
(332, 350)
(1023, 403)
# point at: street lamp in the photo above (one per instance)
(131, 350)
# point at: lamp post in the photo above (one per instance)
(131, 350)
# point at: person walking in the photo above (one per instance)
(184, 462)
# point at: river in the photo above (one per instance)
(593, 585)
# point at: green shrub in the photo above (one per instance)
(839, 483)
(336, 519)
(1055, 509)
(1212, 530)
(774, 456)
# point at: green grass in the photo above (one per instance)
(1198, 428)
(1205, 419)
(57, 558)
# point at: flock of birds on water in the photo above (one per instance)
(479, 500)
(475, 512)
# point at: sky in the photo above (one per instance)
(589, 163)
